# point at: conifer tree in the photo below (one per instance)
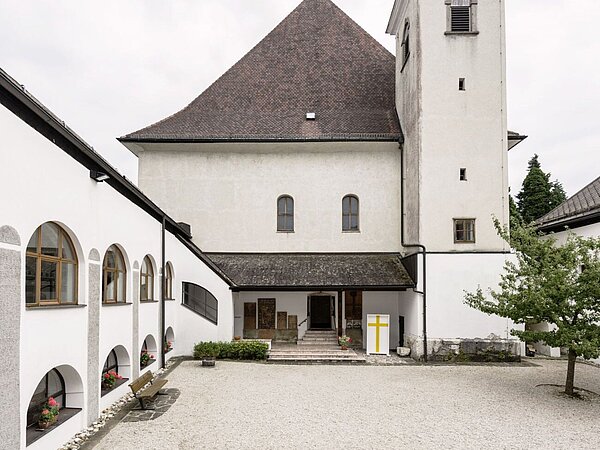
(515, 215)
(550, 283)
(538, 194)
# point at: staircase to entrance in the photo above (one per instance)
(316, 347)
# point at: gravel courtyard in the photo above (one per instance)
(246, 405)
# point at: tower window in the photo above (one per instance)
(405, 44)
(463, 174)
(461, 16)
(461, 84)
(464, 231)
(285, 214)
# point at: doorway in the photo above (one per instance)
(320, 312)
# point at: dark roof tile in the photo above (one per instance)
(317, 60)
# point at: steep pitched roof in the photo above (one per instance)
(582, 208)
(316, 60)
(252, 271)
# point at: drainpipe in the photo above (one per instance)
(422, 251)
(163, 286)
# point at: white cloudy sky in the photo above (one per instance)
(113, 66)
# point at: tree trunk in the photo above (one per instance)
(570, 373)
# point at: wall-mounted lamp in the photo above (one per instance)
(98, 176)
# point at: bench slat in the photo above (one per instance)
(152, 390)
(140, 382)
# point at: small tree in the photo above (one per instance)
(538, 194)
(550, 283)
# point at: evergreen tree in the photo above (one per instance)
(550, 283)
(538, 194)
(515, 215)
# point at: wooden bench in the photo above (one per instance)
(150, 391)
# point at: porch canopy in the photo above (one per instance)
(314, 271)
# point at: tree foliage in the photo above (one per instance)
(538, 194)
(552, 283)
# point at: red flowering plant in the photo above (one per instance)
(344, 341)
(110, 378)
(168, 346)
(49, 412)
(145, 358)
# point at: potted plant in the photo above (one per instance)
(344, 342)
(110, 378)
(168, 346)
(145, 359)
(208, 352)
(49, 414)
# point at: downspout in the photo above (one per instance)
(163, 285)
(423, 251)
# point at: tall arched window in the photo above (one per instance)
(113, 276)
(147, 281)
(50, 267)
(111, 363)
(169, 281)
(350, 213)
(52, 385)
(285, 213)
(406, 43)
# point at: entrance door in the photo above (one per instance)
(320, 312)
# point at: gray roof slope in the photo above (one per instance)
(577, 208)
(316, 60)
(313, 270)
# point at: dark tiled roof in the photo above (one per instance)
(313, 270)
(317, 60)
(580, 207)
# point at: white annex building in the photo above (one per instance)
(320, 180)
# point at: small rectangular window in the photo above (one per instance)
(463, 174)
(464, 231)
(460, 17)
(462, 84)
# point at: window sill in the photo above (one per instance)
(33, 433)
(117, 304)
(148, 301)
(118, 383)
(152, 361)
(351, 231)
(285, 232)
(461, 33)
(170, 300)
(33, 307)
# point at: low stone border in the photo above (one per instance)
(111, 416)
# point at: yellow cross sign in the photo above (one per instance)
(378, 325)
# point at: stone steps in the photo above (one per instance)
(314, 354)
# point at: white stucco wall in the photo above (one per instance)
(447, 129)
(229, 192)
(42, 183)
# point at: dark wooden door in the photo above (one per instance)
(320, 312)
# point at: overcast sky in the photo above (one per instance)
(111, 67)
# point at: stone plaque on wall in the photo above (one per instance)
(282, 320)
(292, 322)
(266, 313)
(249, 316)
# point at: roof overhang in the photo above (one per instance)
(396, 17)
(515, 139)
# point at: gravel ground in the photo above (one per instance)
(246, 405)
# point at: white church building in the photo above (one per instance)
(319, 180)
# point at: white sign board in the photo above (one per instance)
(378, 334)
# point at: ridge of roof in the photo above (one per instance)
(317, 59)
(576, 209)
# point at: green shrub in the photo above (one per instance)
(240, 350)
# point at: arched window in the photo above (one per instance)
(111, 363)
(406, 43)
(169, 340)
(50, 267)
(201, 301)
(350, 213)
(52, 385)
(285, 213)
(148, 353)
(147, 281)
(113, 276)
(169, 281)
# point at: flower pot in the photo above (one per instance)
(208, 362)
(344, 347)
(44, 425)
